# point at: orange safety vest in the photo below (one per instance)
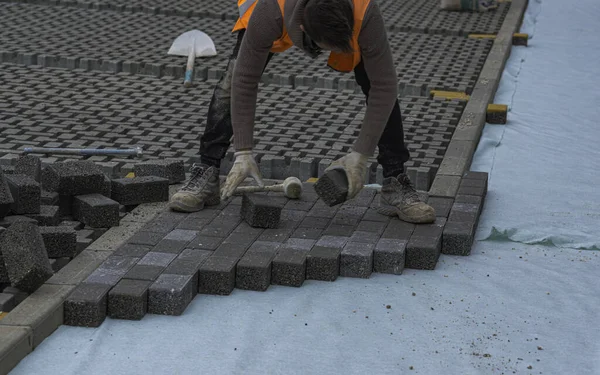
(343, 62)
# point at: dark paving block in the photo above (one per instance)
(73, 178)
(364, 237)
(7, 302)
(49, 198)
(441, 205)
(170, 294)
(26, 193)
(389, 256)
(323, 263)
(315, 222)
(195, 255)
(146, 238)
(265, 247)
(25, 256)
(299, 244)
(457, 238)
(6, 198)
(172, 170)
(471, 190)
(261, 211)
(3, 272)
(333, 241)
(425, 245)
(75, 225)
(157, 259)
(231, 250)
(470, 175)
(217, 275)
(377, 227)
(356, 260)
(112, 270)
(65, 205)
(138, 190)
(132, 250)
(48, 216)
(129, 299)
(398, 229)
(96, 211)
(275, 235)
(29, 165)
(86, 306)
(363, 199)
(205, 242)
(307, 233)
(60, 241)
(170, 246)
(332, 187)
(254, 271)
(339, 230)
(464, 212)
(10, 220)
(187, 266)
(289, 268)
(144, 272)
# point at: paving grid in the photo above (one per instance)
(295, 128)
(423, 16)
(137, 43)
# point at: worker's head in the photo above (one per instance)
(329, 23)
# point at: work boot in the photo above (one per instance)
(399, 197)
(203, 188)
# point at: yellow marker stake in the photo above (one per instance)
(449, 95)
(130, 175)
(312, 180)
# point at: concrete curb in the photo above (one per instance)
(465, 139)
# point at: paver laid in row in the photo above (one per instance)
(298, 132)
(214, 251)
(138, 43)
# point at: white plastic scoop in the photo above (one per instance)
(193, 43)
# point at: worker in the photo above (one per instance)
(353, 32)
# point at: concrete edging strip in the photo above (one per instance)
(465, 139)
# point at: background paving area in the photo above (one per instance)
(297, 130)
(137, 43)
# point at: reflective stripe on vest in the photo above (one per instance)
(343, 62)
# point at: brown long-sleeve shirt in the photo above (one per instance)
(266, 26)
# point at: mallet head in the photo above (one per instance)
(292, 187)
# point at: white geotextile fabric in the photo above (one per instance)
(509, 307)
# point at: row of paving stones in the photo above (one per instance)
(298, 132)
(168, 261)
(138, 43)
(422, 16)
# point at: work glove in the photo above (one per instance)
(355, 166)
(243, 166)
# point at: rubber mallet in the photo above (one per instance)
(291, 188)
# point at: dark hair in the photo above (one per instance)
(330, 22)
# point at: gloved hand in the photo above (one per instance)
(355, 166)
(243, 166)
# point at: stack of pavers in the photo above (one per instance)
(262, 239)
(48, 216)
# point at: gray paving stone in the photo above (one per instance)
(6, 198)
(365, 237)
(314, 222)
(217, 275)
(138, 190)
(323, 263)
(205, 242)
(144, 272)
(170, 294)
(441, 205)
(399, 230)
(338, 230)
(425, 245)
(96, 211)
(170, 246)
(146, 238)
(261, 211)
(129, 299)
(18, 294)
(60, 242)
(356, 260)
(29, 165)
(289, 268)
(333, 241)
(86, 306)
(26, 193)
(49, 198)
(265, 247)
(173, 170)
(458, 238)
(25, 256)
(48, 216)
(157, 259)
(231, 250)
(464, 212)
(307, 233)
(73, 178)
(332, 187)
(254, 271)
(299, 244)
(389, 256)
